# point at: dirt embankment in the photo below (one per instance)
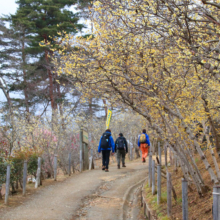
(199, 207)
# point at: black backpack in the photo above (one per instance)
(120, 143)
(105, 140)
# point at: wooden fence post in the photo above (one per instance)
(24, 177)
(158, 184)
(91, 160)
(131, 153)
(165, 154)
(153, 177)
(150, 170)
(175, 162)
(185, 199)
(69, 164)
(159, 152)
(81, 150)
(169, 194)
(7, 183)
(55, 168)
(37, 183)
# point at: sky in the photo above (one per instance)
(7, 7)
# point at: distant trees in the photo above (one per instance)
(26, 66)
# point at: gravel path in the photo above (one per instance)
(91, 195)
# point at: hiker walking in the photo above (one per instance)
(121, 147)
(144, 144)
(106, 144)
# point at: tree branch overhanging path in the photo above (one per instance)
(159, 59)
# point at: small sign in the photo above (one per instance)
(85, 137)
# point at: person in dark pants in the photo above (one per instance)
(121, 147)
(106, 145)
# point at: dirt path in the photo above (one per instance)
(91, 195)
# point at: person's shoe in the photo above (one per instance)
(118, 166)
(106, 170)
(143, 160)
(103, 167)
(123, 165)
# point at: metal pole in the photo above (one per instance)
(169, 195)
(55, 168)
(150, 170)
(185, 199)
(24, 177)
(7, 183)
(158, 184)
(218, 190)
(215, 203)
(69, 167)
(153, 177)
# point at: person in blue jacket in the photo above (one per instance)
(144, 144)
(106, 145)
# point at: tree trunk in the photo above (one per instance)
(217, 143)
(51, 89)
(24, 78)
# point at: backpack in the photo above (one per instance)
(142, 138)
(120, 143)
(105, 140)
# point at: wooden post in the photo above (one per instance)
(81, 150)
(39, 166)
(165, 154)
(37, 183)
(159, 153)
(131, 153)
(158, 184)
(86, 157)
(24, 177)
(7, 183)
(69, 163)
(169, 194)
(185, 199)
(55, 168)
(150, 170)
(175, 162)
(153, 177)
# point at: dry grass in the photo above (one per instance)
(200, 208)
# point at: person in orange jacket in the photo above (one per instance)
(144, 144)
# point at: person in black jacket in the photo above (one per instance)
(121, 147)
